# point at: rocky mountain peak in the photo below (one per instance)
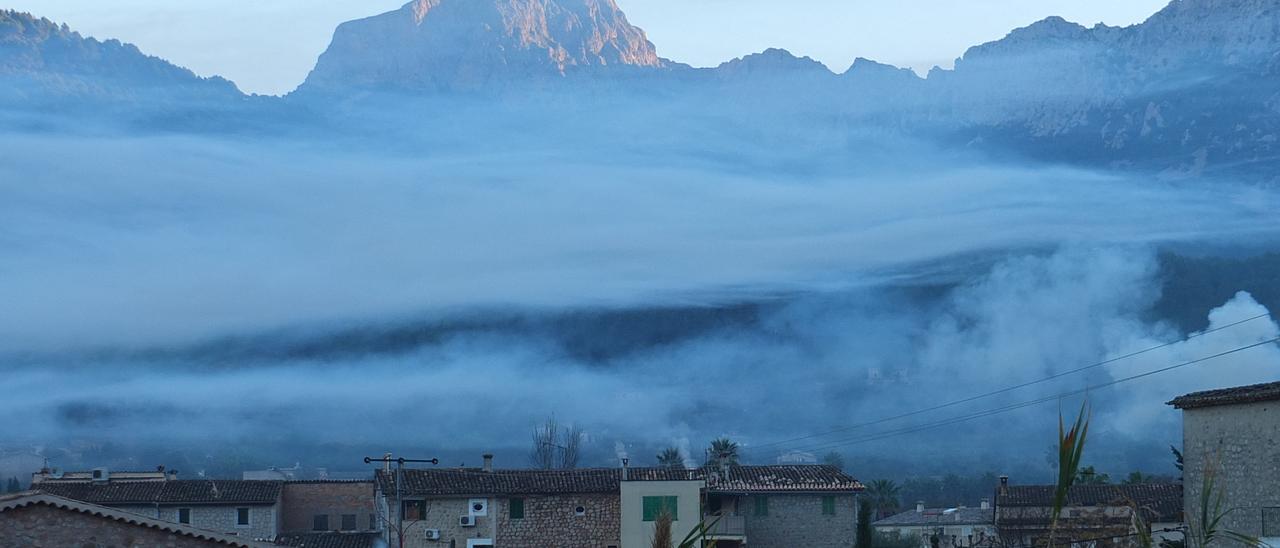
(463, 44)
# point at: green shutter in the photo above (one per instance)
(762, 506)
(516, 508)
(654, 506)
(672, 506)
(829, 506)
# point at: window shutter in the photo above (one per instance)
(516, 508)
(829, 506)
(762, 506)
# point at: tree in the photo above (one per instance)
(865, 531)
(835, 459)
(1177, 457)
(13, 486)
(662, 530)
(671, 458)
(571, 448)
(545, 439)
(554, 447)
(1089, 476)
(723, 451)
(882, 495)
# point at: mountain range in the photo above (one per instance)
(1192, 90)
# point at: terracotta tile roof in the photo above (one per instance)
(474, 481)
(798, 478)
(328, 540)
(1160, 501)
(33, 498)
(741, 479)
(1228, 396)
(665, 473)
(167, 492)
(939, 516)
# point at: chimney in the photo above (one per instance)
(920, 507)
(986, 504)
(488, 462)
(386, 462)
(625, 462)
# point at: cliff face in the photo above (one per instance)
(441, 45)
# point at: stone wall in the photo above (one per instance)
(443, 514)
(301, 502)
(1245, 439)
(219, 519)
(797, 520)
(553, 521)
(44, 526)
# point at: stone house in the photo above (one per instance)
(39, 520)
(484, 507)
(947, 527)
(329, 513)
(246, 509)
(1095, 515)
(1236, 432)
(781, 506)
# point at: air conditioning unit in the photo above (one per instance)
(467, 521)
(433, 534)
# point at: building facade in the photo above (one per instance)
(319, 506)
(484, 507)
(759, 506)
(1233, 434)
(1095, 515)
(39, 520)
(943, 527)
(649, 492)
(239, 508)
(781, 506)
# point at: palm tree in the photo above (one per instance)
(723, 451)
(882, 494)
(671, 458)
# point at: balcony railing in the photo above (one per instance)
(726, 526)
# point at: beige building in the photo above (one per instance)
(647, 492)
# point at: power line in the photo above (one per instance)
(1004, 409)
(1009, 388)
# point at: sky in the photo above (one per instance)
(268, 46)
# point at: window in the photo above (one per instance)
(655, 506)
(242, 517)
(348, 522)
(184, 515)
(1271, 522)
(414, 509)
(516, 508)
(762, 506)
(320, 522)
(373, 522)
(828, 506)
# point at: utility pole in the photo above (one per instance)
(399, 480)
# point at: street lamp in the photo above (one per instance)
(400, 479)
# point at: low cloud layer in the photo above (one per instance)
(875, 294)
